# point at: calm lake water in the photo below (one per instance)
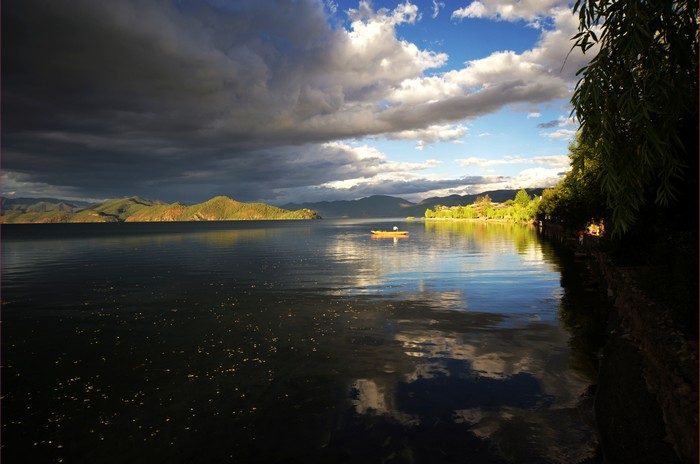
(302, 341)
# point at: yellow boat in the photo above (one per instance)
(390, 233)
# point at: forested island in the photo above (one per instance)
(137, 209)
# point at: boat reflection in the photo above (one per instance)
(384, 237)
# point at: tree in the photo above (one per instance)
(637, 99)
(483, 204)
(522, 198)
(577, 198)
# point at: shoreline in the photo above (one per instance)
(646, 401)
(485, 220)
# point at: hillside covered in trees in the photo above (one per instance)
(522, 208)
(136, 209)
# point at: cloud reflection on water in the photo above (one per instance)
(450, 339)
(487, 381)
(497, 376)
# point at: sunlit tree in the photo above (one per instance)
(483, 205)
(522, 198)
(577, 198)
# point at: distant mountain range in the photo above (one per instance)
(387, 206)
(40, 205)
(136, 209)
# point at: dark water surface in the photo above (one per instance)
(302, 341)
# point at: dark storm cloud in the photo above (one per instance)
(113, 98)
(181, 100)
(194, 174)
(184, 72)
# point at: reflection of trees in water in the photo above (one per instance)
(583, 311)
(484, 233)
(584, 306)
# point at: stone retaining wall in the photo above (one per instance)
(668, 361)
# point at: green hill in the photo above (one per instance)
(159, 213)
(136, 209)
(50, 217)
(217, 209)
(121, 208)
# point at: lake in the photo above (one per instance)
(294, 341)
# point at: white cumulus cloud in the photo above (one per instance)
(558, 161)
(507, 10)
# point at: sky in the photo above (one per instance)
(286, 100)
